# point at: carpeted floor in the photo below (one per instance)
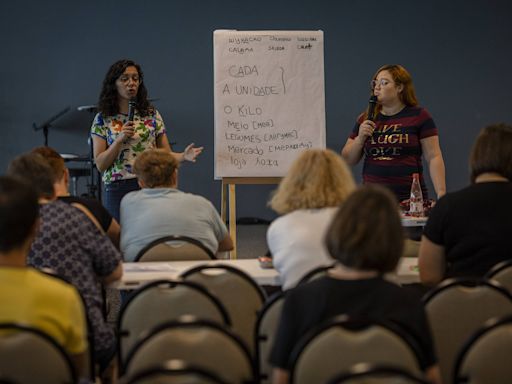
(251, 240)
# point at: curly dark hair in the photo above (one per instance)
(108, 103)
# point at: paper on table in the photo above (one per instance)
(143, 267)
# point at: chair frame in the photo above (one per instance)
(43, 335)
(463, 282)
(190, 322)
(170, 283)
(309, 275)
(165, 239)
(489, 326)
(352, 324)
(466, 282)
(174, 368)
(362, 370)
(257, 335)
(238, 272)
(496, 269)
(229, 268)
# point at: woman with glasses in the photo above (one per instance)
(395, 140)
(118, 140)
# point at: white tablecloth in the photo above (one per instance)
(137, 274)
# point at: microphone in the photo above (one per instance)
(372, 103)
(131, 109)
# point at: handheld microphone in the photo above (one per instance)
(372, 103)
(131, 109)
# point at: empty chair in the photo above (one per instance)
(456, 309)
(202, 343)
(486, 356)
(265, 330)
(161, 301)
(341, 343)
(29, 355)
(502, 273)
(238, 292)
(175, 248)
(315, 274)
(174, 372)
(376, 374)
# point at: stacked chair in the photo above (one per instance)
(456, 309)
(29, 355)
(341, 343)
(206, 320)
(486, 356)
(264, 334)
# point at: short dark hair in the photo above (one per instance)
(19, 210)
(34, 169)
(366, 232)
(492, 152)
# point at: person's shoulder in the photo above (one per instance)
(58, 205)
(455, 196)
(413, 110)
(193, 198)
(282, 221)
(50, 283)
(319, 285)
(136, 196)
(72, 217)
(298, 293)
(420, 111)
(396, 293)
(92, 203)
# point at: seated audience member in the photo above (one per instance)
(468, 231)
(308, 198)
(92, 208)
(28, 296)
(74, 248)
(160, 209)
(366, 240)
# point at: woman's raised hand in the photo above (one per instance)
(190, 153)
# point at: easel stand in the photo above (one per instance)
(229, 192)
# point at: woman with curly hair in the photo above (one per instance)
(118, 140)
(316, 184)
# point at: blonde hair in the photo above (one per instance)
(155, 167)
(317, 179)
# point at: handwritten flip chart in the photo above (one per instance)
(268, 99)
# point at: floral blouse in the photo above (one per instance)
(147, 130)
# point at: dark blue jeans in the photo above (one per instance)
(114, 192)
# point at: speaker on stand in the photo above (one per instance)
(94, 182)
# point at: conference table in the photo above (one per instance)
(138, 274)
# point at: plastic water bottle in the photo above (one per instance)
(416, 199)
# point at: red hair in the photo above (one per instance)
(400, 77)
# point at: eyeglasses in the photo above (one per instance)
(126, 78)
(381, 82)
